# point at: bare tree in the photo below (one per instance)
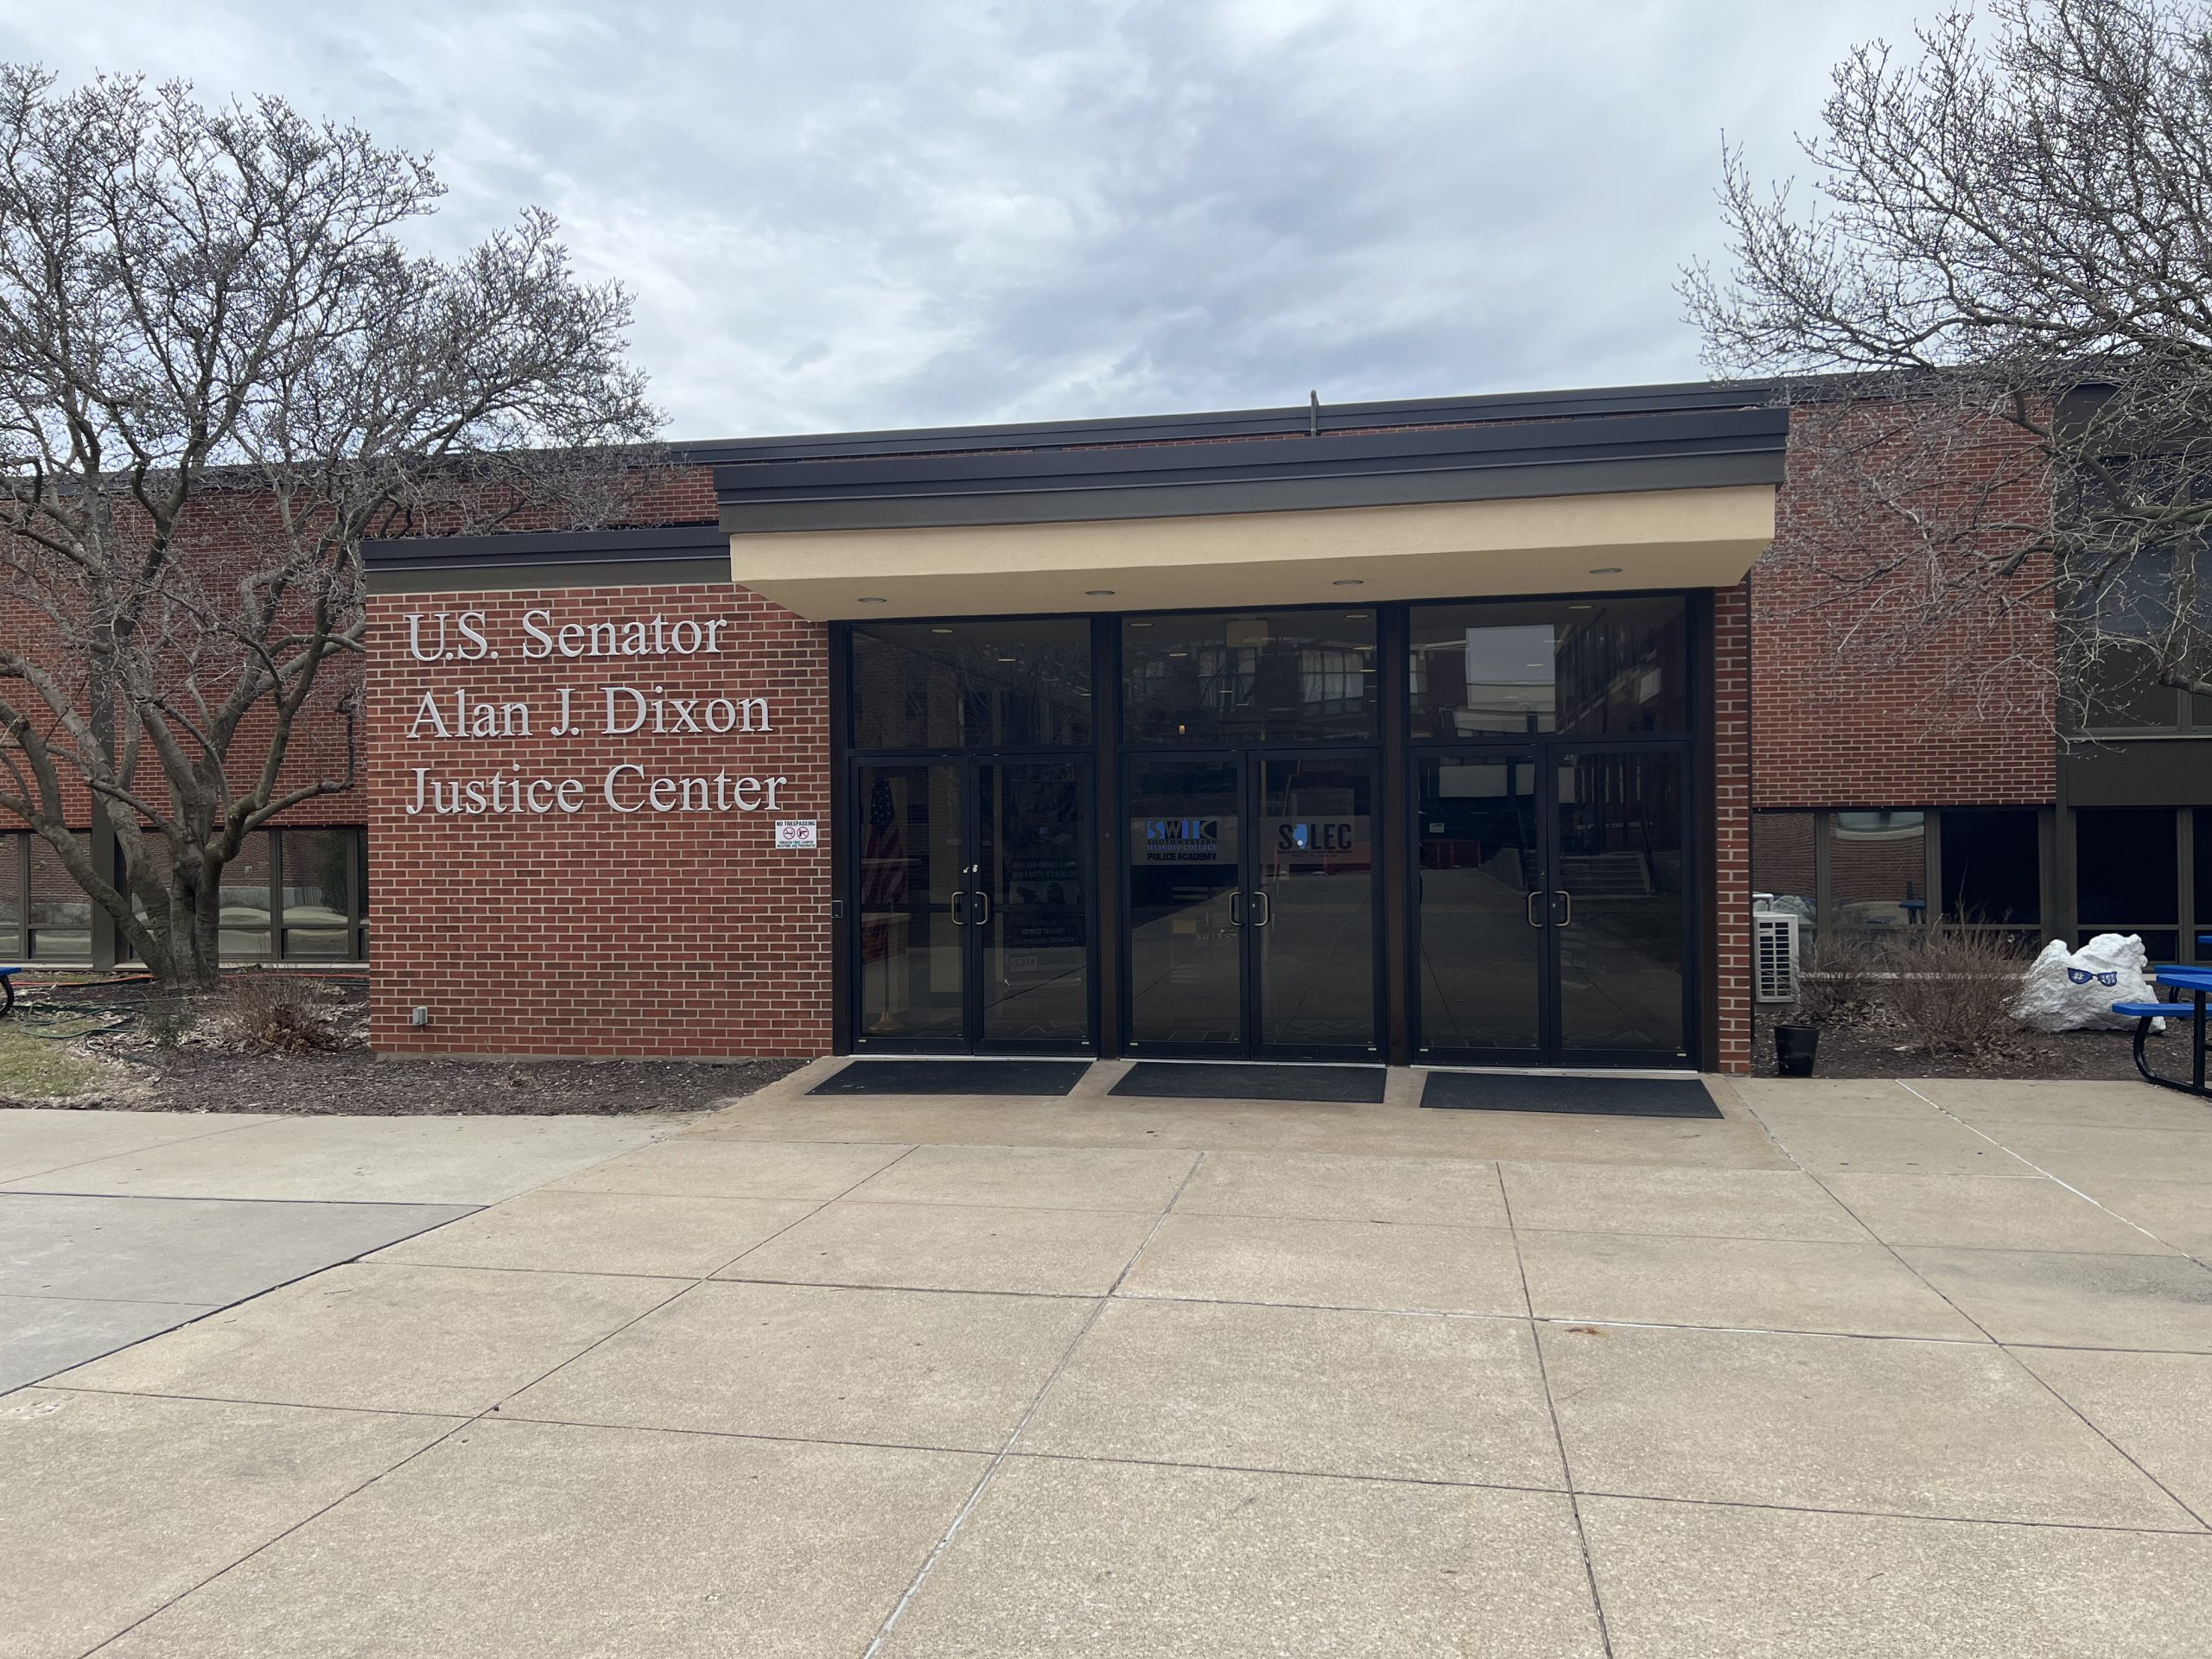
(1994, 325)
(220, 369)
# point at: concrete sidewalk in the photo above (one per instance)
(1865, 1368)
(117, 1225)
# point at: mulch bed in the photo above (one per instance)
(202, 1074)
(1868, 1050)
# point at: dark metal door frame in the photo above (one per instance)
(969, 765)
(1548, 750)
(1249, 764)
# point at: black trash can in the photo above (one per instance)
(1794, 1049)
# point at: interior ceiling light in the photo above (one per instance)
(1606, 570)
(940, 630)
(1098, 592)
(874, 602)
(1583, 606)
(1347, 581)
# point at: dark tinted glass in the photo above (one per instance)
(1992, 867)
(1590, 668)
(1878, 869)
(1012, 683)
(2203, 831)
(1781, 862)
(2125, 867)
(1283, 676)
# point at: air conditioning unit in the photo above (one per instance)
(1774, 956)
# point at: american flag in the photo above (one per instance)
(883, 856)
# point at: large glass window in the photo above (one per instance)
(1878, 869)
(1007, 682)
(1590, 668)
(60, 914)
(2201, 833)
(321, 911)
(2126, 876)
(1270, 677)
(1784, 866)
(1992, 865)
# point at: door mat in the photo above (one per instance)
(1216, 1080)
(953, 1077)
(1490, 1091)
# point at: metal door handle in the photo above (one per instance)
(1236, 910)
(1263, 909)
(959, 903)
(983, 906)
(1567, 907)
(1529, 909)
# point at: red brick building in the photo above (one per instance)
(1450, 731)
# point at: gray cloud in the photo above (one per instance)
(877, 213)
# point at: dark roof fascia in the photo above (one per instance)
(1676, 451)
(1294, 421)
(656, 544)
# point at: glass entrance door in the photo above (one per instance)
(972, 901)
(1552, 919)
(1252, 906)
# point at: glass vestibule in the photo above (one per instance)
(1549, 769)
(969, 885)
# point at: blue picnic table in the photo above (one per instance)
(2194, 980)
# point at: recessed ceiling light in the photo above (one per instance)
(874, 601)
(1098, 592)
(1140, 624)
(1606, 570)
(1178, 653)
(1355, 616)
(1347, 581)
(940, 630)
(1582, 606)
(1009, 659)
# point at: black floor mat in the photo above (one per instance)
(1490, 1091)
(1217, 1080)
(953, 1077)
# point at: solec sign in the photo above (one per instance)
(624, 707)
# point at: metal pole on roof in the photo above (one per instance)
(1312, 413)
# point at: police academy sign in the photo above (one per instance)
(615, 710)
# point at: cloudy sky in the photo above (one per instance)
(885, 213)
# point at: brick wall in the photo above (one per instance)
(595, 931)
(1835, 730)
(1732, 825)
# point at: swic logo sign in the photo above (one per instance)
(613, 708)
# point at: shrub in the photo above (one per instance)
(169, 1025)
(1836, 981)
(267, 1012)
(1951, 988)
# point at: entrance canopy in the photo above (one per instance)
(1669, 489)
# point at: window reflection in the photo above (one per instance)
(1587, 668)
(1302, 676)
(1012, 682)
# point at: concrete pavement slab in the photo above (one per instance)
(2179, 1212)
(1309, 1390)
(1835, 1096)
(35, 1140)
(952, 1247)
(1330, 1187)
(886, 1367)
(379, 1336)
(42, 1335)
(1758, 1283)
(387, 1160)
(110, 1505)
(2156, 1408)
(207, 1250)
(587, 1544)
(1954, 1430)
(1696, 1580)
(2085, 1155)
(694, 1166)
(1989, 1104)
(1930, 1144)
(1724, 1203)
(1130, 1561)
(1984, 1213)
(1036, 1178)
(2074, 1300)
(1330, 1264)
(686, 1236)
